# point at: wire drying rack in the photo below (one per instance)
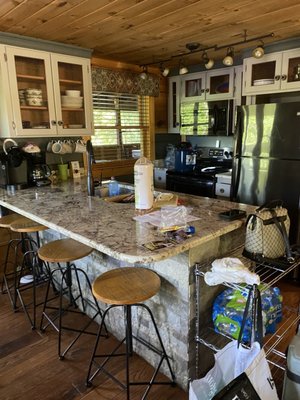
(269, 274)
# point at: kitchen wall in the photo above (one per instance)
(211, 141)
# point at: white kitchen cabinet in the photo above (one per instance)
(49, 75)
(275, 72)
(211, 85)
(174, 104)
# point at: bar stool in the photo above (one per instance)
(127, 287)
(25, 243)
(66, 251)
(5, 223)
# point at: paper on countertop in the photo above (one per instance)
(154, 218)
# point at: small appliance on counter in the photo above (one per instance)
(223, 184)
(13, 166)
(38, 171)
(201, 179)
(185, 157)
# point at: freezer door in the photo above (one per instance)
(269, 130)
(257, 181)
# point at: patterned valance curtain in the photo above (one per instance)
(121, 81)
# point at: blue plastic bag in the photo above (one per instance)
(229, 306)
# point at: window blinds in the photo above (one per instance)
(121, 124)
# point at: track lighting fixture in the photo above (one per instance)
(228, 59)
(182, 68)
(144, 73)
(208, 62)
(259, 51)
(195, 47)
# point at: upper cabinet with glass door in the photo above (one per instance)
(211, 85)
(38, 85)
(275, 72)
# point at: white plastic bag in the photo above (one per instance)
(230, 362)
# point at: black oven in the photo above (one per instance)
(197, 185)
(201, 180)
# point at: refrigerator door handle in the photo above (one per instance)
(236, 174)
(238, 134)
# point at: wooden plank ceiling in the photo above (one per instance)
(146, 31)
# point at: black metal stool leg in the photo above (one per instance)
(128, 353)
(128, 321)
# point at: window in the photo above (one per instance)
(121, 123)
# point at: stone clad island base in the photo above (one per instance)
(174, 307)
(117, 240)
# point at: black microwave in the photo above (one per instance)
(206, 118)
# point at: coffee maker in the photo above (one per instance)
(13, 166)
(38, 170)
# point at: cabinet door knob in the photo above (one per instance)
(60, 123)
(283, 77)
(207, 90)
(277, 77)
(53, 122)
(202, 90)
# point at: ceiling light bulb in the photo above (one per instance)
(165, 71)
(183, 70)
(258, 52)
(228, 59)
(208, 62)
(144, 73)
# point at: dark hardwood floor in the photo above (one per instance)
(30, 368)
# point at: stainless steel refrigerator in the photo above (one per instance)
(267, 158)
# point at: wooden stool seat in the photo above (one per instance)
(125, 286)
(7, 220)
(63, 250)
(128, 288)
(26, 225)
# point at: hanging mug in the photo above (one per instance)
(80, 146)
(49, 146)
(67, 146)
(58, 148)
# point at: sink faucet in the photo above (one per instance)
(90, 161)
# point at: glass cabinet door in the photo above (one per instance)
(193, 86)
(290, 77)
(72, 90)
(31, 91)
(262, 75)
(220, 84)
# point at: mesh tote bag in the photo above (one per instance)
(267, 233)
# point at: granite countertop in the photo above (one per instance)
(109, 227)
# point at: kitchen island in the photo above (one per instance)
(118, 240)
